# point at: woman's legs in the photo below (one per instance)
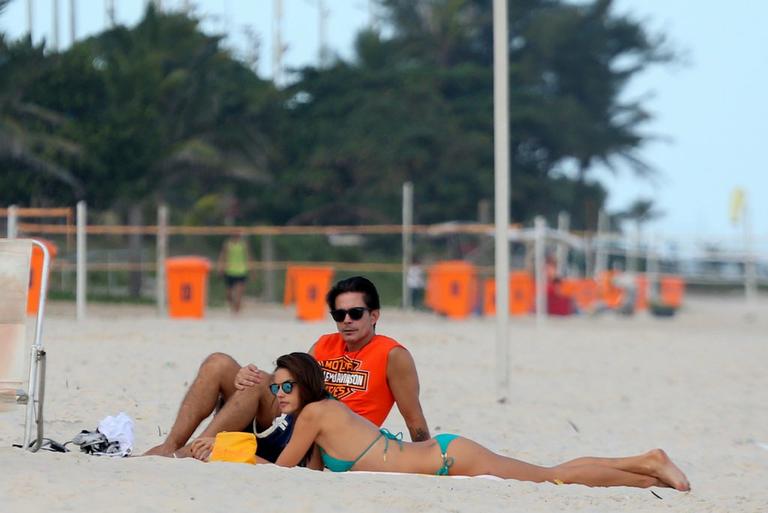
(651, 469)
(654, 463)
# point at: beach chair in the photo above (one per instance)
(22, 361)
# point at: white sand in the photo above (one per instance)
(696, 385)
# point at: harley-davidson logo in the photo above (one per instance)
(343, 376)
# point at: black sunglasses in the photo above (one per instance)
(355, 313)
(287, 387)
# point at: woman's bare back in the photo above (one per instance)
(345, 435)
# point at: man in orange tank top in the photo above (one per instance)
(366, 371)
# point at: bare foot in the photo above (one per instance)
(161, 450)
(666, 471)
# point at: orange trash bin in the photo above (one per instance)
(452, 287)
(307, 287)
(187, 286)
(489, 296)
(584, 292)
(672, 291)
(569, 287)
(611, 295)
(641, 301)
(521, 292)
(36, 274)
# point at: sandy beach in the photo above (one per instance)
(695, 385)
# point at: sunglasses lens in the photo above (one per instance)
(286, 386)
(356, 313)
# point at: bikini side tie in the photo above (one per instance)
(389, 436)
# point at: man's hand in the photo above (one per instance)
(249, 376)
(202, 447)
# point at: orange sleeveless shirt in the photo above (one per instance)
(358, 378)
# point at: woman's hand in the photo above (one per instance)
(202, 447)
(249, 376)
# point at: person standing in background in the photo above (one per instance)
(233, 264)
(416, 281)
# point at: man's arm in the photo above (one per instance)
(404, 383)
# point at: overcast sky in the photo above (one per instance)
(711, 112)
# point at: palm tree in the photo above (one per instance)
(641, 211)
(30, 140)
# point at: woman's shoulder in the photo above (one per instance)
(323, 405)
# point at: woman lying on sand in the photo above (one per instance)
(329, 434)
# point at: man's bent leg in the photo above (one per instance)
(215, 379)
(242, 408)
(238, 412)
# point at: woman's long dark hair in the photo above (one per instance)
(307, 374)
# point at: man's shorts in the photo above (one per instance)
(231, 281)
(272, 440)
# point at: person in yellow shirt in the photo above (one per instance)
(233, 265)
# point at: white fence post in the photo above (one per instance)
(563, 226)
(652, 270)
(81, 291)
(267, 260)
(162, 255)
(601, 251)
(13, 222)
(540, 267)
(407, 241)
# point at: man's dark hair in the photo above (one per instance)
(355, 284)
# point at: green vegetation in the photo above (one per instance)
(161, 112)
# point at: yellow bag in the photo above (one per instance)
(235, 447)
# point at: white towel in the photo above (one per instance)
(118, 429)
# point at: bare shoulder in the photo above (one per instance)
(400, 359)
(325, 414)
(319, 408)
